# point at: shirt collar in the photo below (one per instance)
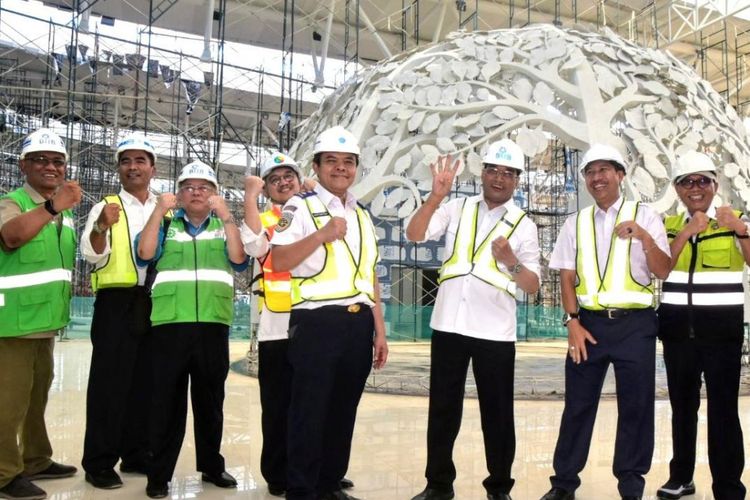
(129, 199)
(327, 197)
(502, 209)
(35, 196)
(615, 207)
(181, 213)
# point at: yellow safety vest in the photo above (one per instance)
(276, 286)
(467, 258)
(616, 288)
(713, 276)
(119, 269)
(343, 275)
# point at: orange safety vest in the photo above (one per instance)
(275, 285)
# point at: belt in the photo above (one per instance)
(351, 308)
(610, 313)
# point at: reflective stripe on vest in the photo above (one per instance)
(276, 286)
(343, 275)
(467, 258)
(119, 270)
(35, 279)
(711, 277)
(617, 289)
(194, 282)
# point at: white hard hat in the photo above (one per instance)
(505, 153)
(198, 170)
(43, 140)
(276, 160)
(602, 152)
(693, 162)
(135, 142)
(336, 140)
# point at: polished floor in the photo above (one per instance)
(388, 454)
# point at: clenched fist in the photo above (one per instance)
(253, 187)
(109, 216)
(67, 196)
(502, 252)
(166, 202)
(219, 206)
(726, 217)
(335, 229)
(698, 223)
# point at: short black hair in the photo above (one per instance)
(316, 157)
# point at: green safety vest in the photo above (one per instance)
(35, 279)
(616, 288)
(343, 275)
(708, 271)
(467, 258)
(194, 281)
(119, 269)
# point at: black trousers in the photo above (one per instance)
(719, 362)
(330, 350)
(275, 380)
(493, 366)
(197, 353)
(629, 344)
(120, 380)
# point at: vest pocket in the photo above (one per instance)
(31, 252)
(35, 311)
(717, 253)
(164, 303)
(223, 302)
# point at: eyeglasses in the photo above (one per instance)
(199, 189)
(43, 161)
(688, 182)
(496, 172)
(275, 180)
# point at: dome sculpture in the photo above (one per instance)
(459, 95)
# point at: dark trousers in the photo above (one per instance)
(330, 350)
(120, 380)
(493, 364)
(275, 380)
(198, 353)
(629, 344)
(719, 362)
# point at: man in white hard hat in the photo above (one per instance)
(37, 257)
(336, 327)
(492, 252)
(119, 388)
(606, 254)
(193, 306)
(701, 318)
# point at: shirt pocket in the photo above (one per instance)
(35, 310)
(717, 253)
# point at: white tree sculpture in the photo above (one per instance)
(459, 95)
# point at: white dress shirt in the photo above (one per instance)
(564, 253)
(467, 305)
(301, 225)
(137, 214)
(272, 325)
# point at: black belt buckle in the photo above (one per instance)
(615, 313)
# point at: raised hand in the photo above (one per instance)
(502, 252)
(443, 174)
(726, 217)
(253, 187)
(335, 229)
(697, 224)
(109, 216)
(166, 202)
(219, 206)
(67, 196)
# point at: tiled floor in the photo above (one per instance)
(388, 457)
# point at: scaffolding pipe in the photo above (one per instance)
(441, 19)
(320, 70)
(374, 32)
(206, 56)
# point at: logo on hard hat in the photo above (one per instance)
(342, 140)
(502, 154)
(278, 159)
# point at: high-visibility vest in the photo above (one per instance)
(344, 275)
(35, 279)
(708, 271)
(119, 269)
(275, 285)
(468, 258)
(194, 281)
(616, 288)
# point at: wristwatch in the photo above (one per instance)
(50, 208)
(567, 317)
(516, 268)
(98, 229)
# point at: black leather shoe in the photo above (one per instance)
(277, 490)
(157, 490)
(631, 497)
(433, 494)
(346, 484)
(106, 479)
(558, 494)
(222, 480)
(21, 488)
(133, 468)
(337, 495)
(53, 471)
(498, 496)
